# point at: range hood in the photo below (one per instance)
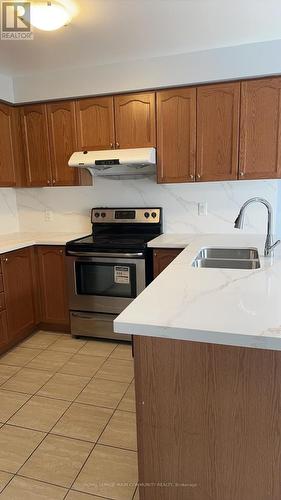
(116, 162)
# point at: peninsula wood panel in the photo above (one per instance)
(95, 123)
(135, 120)
(218, 109)
(208, 416)
(36, 145)
(52, 279)
(176, 135)
(62, 133)
(19, 292)
(162, 257)
(3, 330)
(260, 134)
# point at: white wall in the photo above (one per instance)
(6, 88)
(9, 222)
(71, 206)
(256, 59)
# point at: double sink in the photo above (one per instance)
(227, 258)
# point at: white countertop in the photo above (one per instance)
(171, 241)
(14, 241)
(221, 306)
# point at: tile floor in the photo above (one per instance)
(67, 420)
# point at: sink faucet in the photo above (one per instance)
(269, 245)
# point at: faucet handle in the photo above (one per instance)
(274, 245)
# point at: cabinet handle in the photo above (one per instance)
(6, 259)
(48, 182)
(117, 145)
(111, 145)
(198, 176)
(241, 174)
(191, 176)
(54, 181)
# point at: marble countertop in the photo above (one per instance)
(221, 306)
(171, 241)
(14, 241)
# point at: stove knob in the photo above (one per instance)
(146, 214)
(154, 214)
(103, 214)
(97, 214)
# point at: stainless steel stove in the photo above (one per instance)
(110, 267)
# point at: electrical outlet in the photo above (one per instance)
(48, 215)
(202, 208)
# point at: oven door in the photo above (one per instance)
(104, 283)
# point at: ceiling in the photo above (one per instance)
(107, 31)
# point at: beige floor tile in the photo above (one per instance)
(49, 360)
(121, 431)
(10, 402)
(103, 393)
(76, 495)
(84, 366)
(7, 372)
(121, 370)
(98, 348)
(83, 422)
(65, 387)
(122, 351)
(5, 477)
(67, 344)
(21, 488)
(27, 381)
(19, 356)
(39, 413)
(105, 471)
(16, 445)
(57, 460)
(128, 402)
(41, 340)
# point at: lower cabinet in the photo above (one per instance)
(19, 293)
(53, 293)
(162, 257)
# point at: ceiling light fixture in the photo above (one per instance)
(49, 15)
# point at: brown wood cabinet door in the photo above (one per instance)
(135, 120)
(3, 330)
(19, 290)
(52, 274)
(217, 131)
(8, 138)
(95, 123)
(162, 257)
(62, 132)
(36, 143)
(176, 135)
(260, 131)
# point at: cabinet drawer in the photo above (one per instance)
(2, 301)
(1, 283)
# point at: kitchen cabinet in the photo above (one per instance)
(53, 293)
(260, 133)
(3, 330)
(135, 120)
(217, 131)
(162, 257)
(62, 134)
(95, 123)
(10, 146)
(176, 135)
(36, 144)
(19, 286)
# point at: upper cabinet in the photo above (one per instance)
(95, 123)
(176, 135)
(135, 120)
(217, 131)
(36, 144)
(123, 121)
(62, 134)
(10, 145)
(260, 139)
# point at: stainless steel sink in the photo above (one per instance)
(227, 258)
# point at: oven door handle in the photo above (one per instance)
(100, 254)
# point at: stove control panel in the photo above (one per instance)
(127, 215)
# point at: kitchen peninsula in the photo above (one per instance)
(208, 377)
